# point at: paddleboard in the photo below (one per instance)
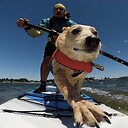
(49, 110)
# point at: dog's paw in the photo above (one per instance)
(97, 112)
(82, 115)
(87, 113)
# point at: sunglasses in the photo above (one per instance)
(59, 8)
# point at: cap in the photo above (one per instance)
(59, 5)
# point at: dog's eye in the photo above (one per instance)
(75, 31)
(95, 33)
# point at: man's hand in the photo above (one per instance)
(21, 22)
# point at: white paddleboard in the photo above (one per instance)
(29, 111)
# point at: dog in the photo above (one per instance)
(77, 47)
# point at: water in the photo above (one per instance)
(12, 90)
(113, 93)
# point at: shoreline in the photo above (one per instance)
(91, 79)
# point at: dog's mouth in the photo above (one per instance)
(79, 49)
(91, 45)
(85, 50)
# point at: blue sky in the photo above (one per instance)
(21, 55)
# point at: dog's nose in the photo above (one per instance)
(92, 42)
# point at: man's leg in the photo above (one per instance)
(44, 71)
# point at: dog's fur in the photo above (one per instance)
(81, 43)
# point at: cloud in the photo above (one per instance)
(118, 51)
(125, 41)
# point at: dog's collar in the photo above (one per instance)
(70, 63)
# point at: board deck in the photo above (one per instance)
(51, 110)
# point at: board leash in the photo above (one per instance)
(48, 115)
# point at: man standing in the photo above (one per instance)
(57, 22)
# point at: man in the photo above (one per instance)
(57, 22)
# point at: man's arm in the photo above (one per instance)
(22, 23)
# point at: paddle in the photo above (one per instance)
(44, 29)
(101, 52)
(114, 58)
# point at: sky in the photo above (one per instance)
(21, 55)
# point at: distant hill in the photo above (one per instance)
(123, 77)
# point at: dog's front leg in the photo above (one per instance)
(81, 113)
(70, 88)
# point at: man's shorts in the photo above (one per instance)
(49, 49)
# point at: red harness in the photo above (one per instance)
(72, 64)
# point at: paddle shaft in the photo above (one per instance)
(101, 52)
(114, 58)
(44, 29)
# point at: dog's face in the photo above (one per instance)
(79, 42)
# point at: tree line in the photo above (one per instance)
(21, 80)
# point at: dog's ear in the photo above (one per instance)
(62, 37)
(65, 28)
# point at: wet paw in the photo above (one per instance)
(82, 116)
(87, 113)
